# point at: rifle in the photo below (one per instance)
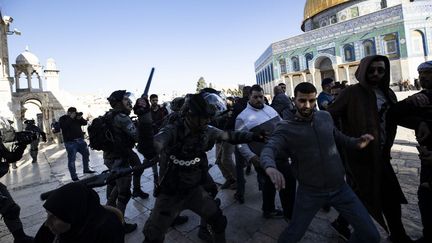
(106, 177)
(147, 87)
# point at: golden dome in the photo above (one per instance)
(313, 7)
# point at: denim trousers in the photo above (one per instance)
(344, 200)
(74, 147)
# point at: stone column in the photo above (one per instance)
(312, 71)
(291, 83)
(17, 81)
(29, 82)
(336, 72)
(304, 77)
(347, 74)
(40, 82)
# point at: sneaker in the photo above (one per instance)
(248, 170)
(181, 219)
(326, 208)
(273, 214)
(239, 198)
(24, 239)
(89, 171)
(343, 231)
(139, 193)
(204, 234)
(401, 239)
(129, 228)
(75, 179)
(421, 240)
(228, 184)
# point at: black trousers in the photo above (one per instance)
(9, 210)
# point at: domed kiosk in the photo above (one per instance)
(28, 89)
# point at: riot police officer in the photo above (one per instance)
(8, 208)
(125, 136)
(185, 142)
(34, 146)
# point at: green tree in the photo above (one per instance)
(201, 84)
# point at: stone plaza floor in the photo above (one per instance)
(245, 221)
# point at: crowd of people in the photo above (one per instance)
(315, 151)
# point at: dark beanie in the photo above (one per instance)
(72, 202)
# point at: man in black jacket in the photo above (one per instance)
(74, 142)
(8, 208)
(415, 113)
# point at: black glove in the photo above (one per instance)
(260, 136)
(141, 106)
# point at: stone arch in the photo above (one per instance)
(418, 45)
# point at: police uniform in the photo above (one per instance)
(181, 184)
(34, 146)
(125, 135)
(9, 210)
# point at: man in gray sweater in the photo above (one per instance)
(310, 140)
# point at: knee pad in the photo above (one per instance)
(218, 222)
(152, 234)
(12, 211)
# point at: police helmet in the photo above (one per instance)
(177, 103)
(215, 100)
(117, 96)
(196, 105)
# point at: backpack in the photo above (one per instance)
(55, 127)
(100, 133)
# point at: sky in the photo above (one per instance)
(103, 45)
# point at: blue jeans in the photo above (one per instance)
(72, 147)
(344, 200)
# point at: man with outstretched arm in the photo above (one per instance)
(310, 140)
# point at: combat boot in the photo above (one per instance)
(139, 193)
(204, 234)
(129, 228)
(24, 239)
(219, 237)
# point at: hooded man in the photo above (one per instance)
(309, 139)
(362, 108)
(74, 214)
(415, 113)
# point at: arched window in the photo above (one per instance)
(282, 64)
(418, 43)
(295, 64)
(368, 48)
(308, 58)
(390, 44)
(349, 54)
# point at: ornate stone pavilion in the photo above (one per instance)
(339, 33)
(29, 87)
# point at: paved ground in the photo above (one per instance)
(245, 223)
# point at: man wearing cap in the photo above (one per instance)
(325, 98)
(74, 142)
(415, 113)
